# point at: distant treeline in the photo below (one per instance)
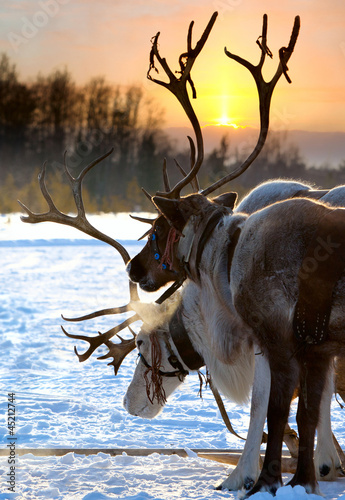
(41, 119)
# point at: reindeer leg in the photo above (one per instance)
(314, 372)
(326, 459)
(247, 470)
(284, 376)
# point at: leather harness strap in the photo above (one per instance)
(207, 232)
(322, 266)
(195, 236)
(182, 342)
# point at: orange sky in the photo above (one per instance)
(111, 38)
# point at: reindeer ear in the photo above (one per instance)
(170, 209)
(227, 200)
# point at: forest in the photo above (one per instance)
(43, 118)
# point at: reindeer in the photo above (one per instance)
(251, 275)
(163, 237)
(163, 367)
(179, 335)
(80, 223)
(234, 379)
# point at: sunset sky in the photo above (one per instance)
(111, 38)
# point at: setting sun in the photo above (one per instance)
(224, 121)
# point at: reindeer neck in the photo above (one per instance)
(232, 376)
(180, 337)
(196, 235)
(216, 257)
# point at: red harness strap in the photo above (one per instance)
(173, 237)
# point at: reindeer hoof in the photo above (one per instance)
(324, 470)
(248, 483)
(260, 486)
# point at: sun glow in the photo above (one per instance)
(224, 121)
(226, 105)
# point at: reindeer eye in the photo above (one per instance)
(139, 343)
(159, 230)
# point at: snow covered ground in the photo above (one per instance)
(47, 270)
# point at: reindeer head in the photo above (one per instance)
(178, 233)
(164, 258)
(158, 373)
(159, 253)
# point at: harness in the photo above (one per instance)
(181, 373)
(160, 259)
(156, 253)
(184, 347)
(196, 234)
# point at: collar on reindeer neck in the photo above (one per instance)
(196, 233)
(184, 346)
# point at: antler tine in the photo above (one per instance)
(178, 86)
(97, 314)
(95, 342)
(32, 217)
(265, 91)
(142, 219)
(194, 182)
(119, 351)
(165, 176)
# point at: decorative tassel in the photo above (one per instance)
(154, 383)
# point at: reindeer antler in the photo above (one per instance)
(117, 351)
(81, 223)
(178, 86)
(265, 91)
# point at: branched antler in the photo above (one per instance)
(81, 223)
(265, 91)
(117, 351)
(178, 86)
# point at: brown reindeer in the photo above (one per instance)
(257, 268)
(185, 328)
(222, 314)
(179, 324)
